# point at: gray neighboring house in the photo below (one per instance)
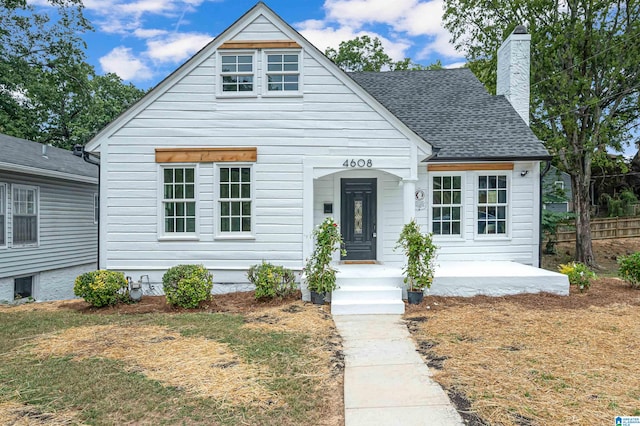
(48, 220)
(554, 181)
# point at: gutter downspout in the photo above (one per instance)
(544, 172)
(78, 151)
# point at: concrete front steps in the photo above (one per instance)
(367, 289)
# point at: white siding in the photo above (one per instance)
(521, 243)
(328, 120)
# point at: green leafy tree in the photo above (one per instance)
(367, 54)
(41, 64)
(48, 93)
(585, 71)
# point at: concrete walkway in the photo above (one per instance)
(385, 380)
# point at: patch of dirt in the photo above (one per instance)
(606, 252)
(463, 405)
(204, 367)
(12, 413)
(238, 303)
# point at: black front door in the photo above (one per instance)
(358, 218)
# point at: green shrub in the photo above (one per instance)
(421, 256)
(187, 285)
(271, 281)
(319, 275)
(579, 274)
(102, 288)
(630, 269)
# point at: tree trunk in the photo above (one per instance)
(582, 209)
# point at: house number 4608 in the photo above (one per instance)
(360, 162)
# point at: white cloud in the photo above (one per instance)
(323, 37)
(407, 18)
(176, 47)
(441, 46)
(149, 33)
(422, 19)
(121, 61)
(358, 12)
(455, 65)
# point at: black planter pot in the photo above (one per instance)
(415, 297)
(317, 298)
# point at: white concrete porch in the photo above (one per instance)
(379, 289)
(367, 289)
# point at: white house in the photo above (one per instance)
(48, 220)
(235, 156)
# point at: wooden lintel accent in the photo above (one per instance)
(251, 44)
(206, 155)
(460, 167)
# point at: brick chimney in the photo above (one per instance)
(514, 63)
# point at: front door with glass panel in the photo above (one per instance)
(358, 218)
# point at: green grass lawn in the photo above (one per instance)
(296, 384)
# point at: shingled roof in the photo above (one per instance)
(26, 156)
(452, 111)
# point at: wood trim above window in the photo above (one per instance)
(206, 155)
(460, 167)
(252, 44)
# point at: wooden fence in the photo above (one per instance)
(601, 229)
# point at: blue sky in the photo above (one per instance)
(144, 40)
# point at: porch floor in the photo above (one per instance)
(379, 289)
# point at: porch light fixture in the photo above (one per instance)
(524, 173)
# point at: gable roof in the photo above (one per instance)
(21, 155)
(451, 110)
(259, 9)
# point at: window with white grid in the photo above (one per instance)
(283, 72)
(237, 73)
(235, 199)
(492, 204)
(446, 205)
(179, 200)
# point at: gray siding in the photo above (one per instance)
(67, 233)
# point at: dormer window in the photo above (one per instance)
(283, 72)
(237, 72)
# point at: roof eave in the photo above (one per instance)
(19, 168)
(486, 159)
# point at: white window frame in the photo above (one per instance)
(4, 199)
(432, 205)
(266, 73)
(36, 189)
(507, 205)
(559, 183)
(96, 208)
(219, 91)
(218, 200)
(161, 203)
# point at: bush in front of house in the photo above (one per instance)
(630, 269)
(102, 288)
(579, 274)
(271, 281)
(187, 285)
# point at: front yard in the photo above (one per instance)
(275, 364)
(536, 359)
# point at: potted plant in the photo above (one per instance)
(319, 275)
(421, 257)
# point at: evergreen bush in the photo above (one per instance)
(630, 269)
(187, 285)
(102, 288)
(271, 281)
